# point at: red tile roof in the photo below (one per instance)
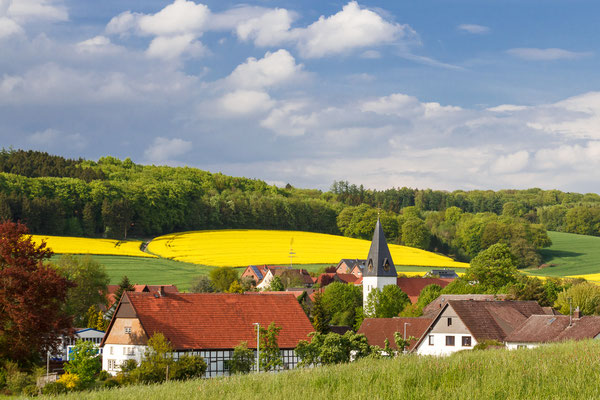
(221, 320)
(433, 308)
(112, 290)
(555, 328)
(378, 329)
(348, 278)
(413, 286)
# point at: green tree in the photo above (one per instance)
(124, 286)
(270, 355)
(321, 317)
(402, 343)
(584, 295)
(386, 303)
(90, 279)
(84, 362)
(235, 287)
(242, 359)
(331, 348)
(494, 267)
(202, 284)
(340, 301)
(415, 233)
(188, 367)
(429, 294)
(222, 278)
(276, 285)
(157, 361)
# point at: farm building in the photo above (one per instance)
(112, 290)
(377, 330)
(205, 324)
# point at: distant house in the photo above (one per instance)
(442, 273)
(289, 276)
(377, 330)
(255, 273)
(433, 308)
(329, 277)
(413, 286)
(205, 324)
(112, 290)
(461, 324)
(351, 266)
(540, 329)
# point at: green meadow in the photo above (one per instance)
(570, 254)
(562, 371)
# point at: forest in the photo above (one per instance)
(120, 199)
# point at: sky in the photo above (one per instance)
(441, 94)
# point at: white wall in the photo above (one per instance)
(516, 345)
(371, 282)
(439, 347)
(115, 354)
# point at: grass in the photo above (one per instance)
(151, 271)
(248, 247)
(563, 371)
(570, 255)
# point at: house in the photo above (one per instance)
(254, 273)
(461, 324)
(442, 273)
(205, 324)
(329, 277)
(540, 329)
(377, 330)
(289, 276)
(413, 286)
(433, 308)
(111, 290)
(86, 334)
(350, 266)
(379, 271)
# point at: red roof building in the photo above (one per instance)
(112, 290)
(413, 286)
(378, 329)
(207, 324)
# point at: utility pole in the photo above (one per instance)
(257, 346)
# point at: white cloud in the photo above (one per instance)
(288, 120)
(272, 69)
(505, 108)
(172, 47)
(181, 17)
(54, 139)
(405, 106)
(349, 29)
(32, 10)
(8, 27)
(98, 45)
(474, 29)
(164, 150)
(551, 54)
(269, 29)
(372, 54)
(243, 102)
(510, 163)
(123, 23)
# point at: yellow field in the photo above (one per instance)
(411, 274)
(254, 247)
(77, 245)
(588, 277)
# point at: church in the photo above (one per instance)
(379, 270)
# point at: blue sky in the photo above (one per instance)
(430, 94)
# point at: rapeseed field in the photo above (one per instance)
(252, 247)
(77, 245)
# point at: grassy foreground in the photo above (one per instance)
(564, 371)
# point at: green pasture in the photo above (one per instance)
(560, 371)
(570, 254)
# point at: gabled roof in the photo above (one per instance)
(217, 320)
(378, 329)
(433, 308)
(348, 278)
(112, 290)
(489, 320)
(413, 286)
(555, 328)
(379, 260)
(351, 263)
(257, 272)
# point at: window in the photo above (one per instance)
(449, 321)
(127, 330)
(130, 351)
(112, 365)
(449, 340)
(431, 340)
(466, 341)
(111, 350)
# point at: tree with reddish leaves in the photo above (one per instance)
(32, 297)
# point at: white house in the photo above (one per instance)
(461, 324)
(86, 334)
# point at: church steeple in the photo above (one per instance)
(379, 260)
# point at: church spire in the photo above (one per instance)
(379, 260)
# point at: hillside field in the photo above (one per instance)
(568, 371)
(254, 247)
(570, 255)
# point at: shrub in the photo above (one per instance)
(111, 383)
(54, 388)
(31, 390)
(486, 344)
(188, 367)
(71, 381)
(103, 376)
(242, 359)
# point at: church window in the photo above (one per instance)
(370, 266)
(386, 264)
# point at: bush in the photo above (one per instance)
(242, 360)
(31, 390)
(486, 344)
(111, 383)
(103, 376)
(16, 380)
(189, 367)
(54, 388)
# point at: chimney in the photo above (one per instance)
(161, 292)
(577, 313)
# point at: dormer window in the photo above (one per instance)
(127, 330)
(386, 264)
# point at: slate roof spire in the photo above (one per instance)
(379, 260)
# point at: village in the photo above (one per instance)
(212, 325)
